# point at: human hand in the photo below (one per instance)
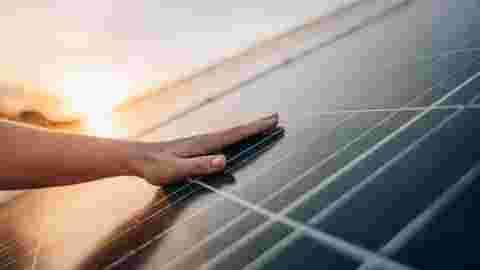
(166, 162)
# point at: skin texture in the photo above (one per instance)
(35, 158)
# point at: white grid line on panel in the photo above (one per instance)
(347, 196)
(298, 202)
(438, 102)
(271, 196)
(347, 249)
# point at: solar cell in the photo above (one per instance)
(449, 240)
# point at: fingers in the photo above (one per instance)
(209, 143)
(200, 166)
(161, 170)
(171, 164)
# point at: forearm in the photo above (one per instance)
(32, 158)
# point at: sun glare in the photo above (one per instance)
(94, 93)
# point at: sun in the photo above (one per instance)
(94, 93)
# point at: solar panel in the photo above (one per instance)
(376, 171)
(381, 173)
(368, 196)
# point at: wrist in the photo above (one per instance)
(137, 159)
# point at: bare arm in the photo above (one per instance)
(32, 158)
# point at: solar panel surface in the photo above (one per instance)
(363, 180)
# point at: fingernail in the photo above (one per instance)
(218, 162)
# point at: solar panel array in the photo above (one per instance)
(382, 176)
(376, 187)
(369, 174)
(386, 176)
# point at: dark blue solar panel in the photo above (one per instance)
(306, 253)
(403, 191)
(366, 166)
(451, 240)
(468, 93)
